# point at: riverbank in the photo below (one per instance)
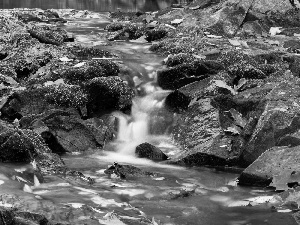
(234, 93)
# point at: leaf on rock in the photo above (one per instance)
(222, 84)
(238, 118)
(79, 64)
(176, 21)
(140, 40)
(149, 18)
(241, 83)
(234, 130)
(234, 42)
(65, 59)
(3, 101)
(195, 7)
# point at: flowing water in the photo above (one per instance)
(94, 5)
(178, 196)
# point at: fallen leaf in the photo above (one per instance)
(195, 7)
(176, 21)
(234, 130)
(65, 59)
(238, 118)
(274, 30)
(234, 42)
(79, 64)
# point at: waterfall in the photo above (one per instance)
(134, 129)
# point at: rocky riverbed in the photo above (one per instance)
(232, 69)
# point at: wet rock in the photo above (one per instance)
(88, 70)
(106, 94)
(177, 102)
(155, 34)
(89, 52)
(6, 216)
(18, 145)
(174, 60)
(129, 32)
(114, 27)
(228, 20)
(146, 150)
(71, 132)
(279, 118)
(274, 162)
(127, 171)
(180, 75)
(48, 35)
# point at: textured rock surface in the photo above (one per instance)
(272, 163)
(146, 150)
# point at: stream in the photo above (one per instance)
(178, 196)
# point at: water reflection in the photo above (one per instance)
(94, 5)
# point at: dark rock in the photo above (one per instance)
(174, 60)
(177, 102)
(3, 55)
(129, 32)
(146, 150)
(127, 171)
(228, 20)
(114, 27)
(279, 118)
(71, 133)
(292, 46)
(271, 163)
(180, 75)
(107, 94)
(6, 216)
(200, 131)
(290, 140)
(89, 52)
(17, 145)
(90, 70)
(155, 34)
(50, 163)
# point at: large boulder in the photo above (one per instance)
(146, 150)
(183, 74)
(278, 164)
(66, 132)
(106, 94)
(280, 117)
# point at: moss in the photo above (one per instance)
(108, 93)
(155, 34)
(235, 56)
(90, 70)
(89, 52)
(130, 31)
(65, 95)
(180, 58)
(114, 27)
(245, 70)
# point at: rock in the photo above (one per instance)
(106, 94)
(86, 53)
(174, 60)
(146, 150)
(180, 75)
(128, 32)
(71, 133)
(17, 145)
(177, 102)
(228, 20)
(47, 35)
(273, 162)
(127, 171)
(6, 216)
(279, 118)
(200, 131)
(89, 70)
(155, 34)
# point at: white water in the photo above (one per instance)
(134, 129)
